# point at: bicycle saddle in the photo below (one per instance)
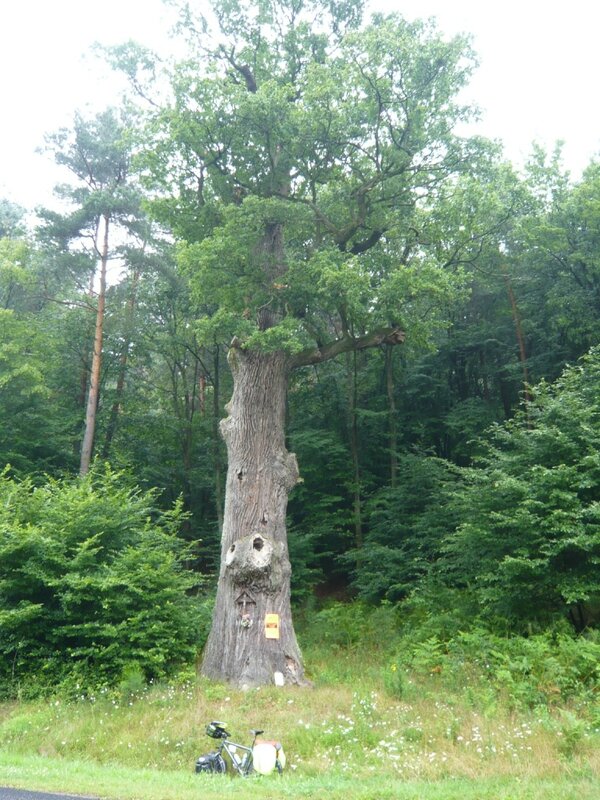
(256, 733)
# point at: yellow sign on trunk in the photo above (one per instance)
(272, 626)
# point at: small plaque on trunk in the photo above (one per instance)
(272, 626)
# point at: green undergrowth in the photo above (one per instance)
(388, 714)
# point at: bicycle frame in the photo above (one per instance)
(241, 764)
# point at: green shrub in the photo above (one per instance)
(394, 681)
(350, 625)
(92, 585)
(544, 669)
(528, 538)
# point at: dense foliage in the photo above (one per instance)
(92, 585)
(456, 474)
(528, 539)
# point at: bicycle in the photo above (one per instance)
(260, 757)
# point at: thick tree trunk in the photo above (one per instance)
(252, 640)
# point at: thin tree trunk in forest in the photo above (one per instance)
(85, 369)
(187, 437)
(202, 394)
(116, 406)
(118, 402)
(87, 446)
(354, 451)
(519, 334)
(252, 640)
(393, 425)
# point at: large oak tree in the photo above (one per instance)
(297, 161)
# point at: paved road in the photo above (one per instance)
(23, 794)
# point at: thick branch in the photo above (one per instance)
(366, 244)
(243, 69)
(347, 344)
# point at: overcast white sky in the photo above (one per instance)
(537, 80)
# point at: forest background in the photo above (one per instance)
(450, 484)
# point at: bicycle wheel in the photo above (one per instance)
(220, 765)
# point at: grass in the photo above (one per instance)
(85, 778)
(362, 732)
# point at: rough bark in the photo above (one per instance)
(254, 579)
